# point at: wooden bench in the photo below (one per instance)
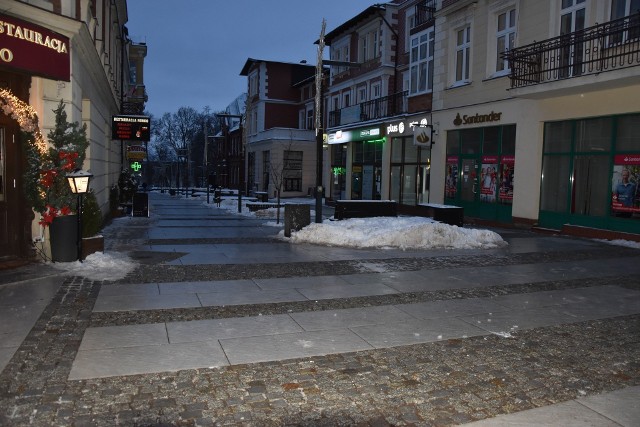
(365, 208)
(448, 214)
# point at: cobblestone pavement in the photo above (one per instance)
(445, 383)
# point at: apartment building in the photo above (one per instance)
(520, 111)
(536, 107)
(75, 51)
(280, 142)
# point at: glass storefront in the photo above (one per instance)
(590, 173)
(366, 170)
(338, 171)
(410, 168)
(479, 171)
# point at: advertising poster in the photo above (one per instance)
(625, 198)
(489, 179)
(451, 178)
(505, 192)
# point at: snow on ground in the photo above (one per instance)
(99, 266)
(401, 232)
(380, 232)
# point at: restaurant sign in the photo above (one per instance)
(34, 49)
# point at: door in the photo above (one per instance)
(469, 195)
(10, 223)
(572, 20)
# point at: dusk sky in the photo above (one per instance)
(197, 48)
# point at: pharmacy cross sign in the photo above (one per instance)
(136, 166)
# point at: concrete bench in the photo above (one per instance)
(365, 208)
(448, 214)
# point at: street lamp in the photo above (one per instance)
(79, 182)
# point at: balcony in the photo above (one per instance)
(380, 108)
(424, 13)
(605, 47)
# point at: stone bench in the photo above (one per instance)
(448, 214)
(345, 209)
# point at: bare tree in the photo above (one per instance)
(279, 172)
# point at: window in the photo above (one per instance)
(506, 36)
(622, 8)
(340, 53)
(133, 73)
(376, 91)
(463, 47)
(253, 84)
(369, 45)
(292, 170)
(421, 75)
(362, 94)
(310, 119)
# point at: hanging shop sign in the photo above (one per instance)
(363, 134)
(470, 119)
(34, 49)
(136, 152)
(131, 128)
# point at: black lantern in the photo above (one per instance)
(79, 182)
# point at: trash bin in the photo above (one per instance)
(296, 217)
(141, 204)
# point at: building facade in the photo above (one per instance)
(74, 51)
(279, 136)
(522, 112)
(536, 104)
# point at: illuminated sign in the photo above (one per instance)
(407, 125)
(131, 128)
(343, 136)
(476, 118)
(34, 49)
(136, 166)
(136, 152)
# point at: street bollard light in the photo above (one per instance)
(79, 182)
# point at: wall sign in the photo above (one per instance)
(399, 128)
(363, 134)
(34, 49)
(476, 118)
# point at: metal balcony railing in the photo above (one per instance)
(604, 47)
(424, 12)
(387, 106)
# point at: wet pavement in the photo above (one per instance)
(222, 323)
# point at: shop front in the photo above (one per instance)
(410, 165)
(591, 172)
(480, 167)
(356, 163)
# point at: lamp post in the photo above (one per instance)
(79, 182)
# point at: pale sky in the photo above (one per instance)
(197, 48)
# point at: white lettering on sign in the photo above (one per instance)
(22, 33)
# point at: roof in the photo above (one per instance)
(362, 16)
(252, 61)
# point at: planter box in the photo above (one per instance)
(92, 245)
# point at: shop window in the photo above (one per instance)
(557, 137)
(628, 133)
(593, 135)
(292, 170)
(471, 141)
(555, 183)
(589, 195)
(491, 142)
